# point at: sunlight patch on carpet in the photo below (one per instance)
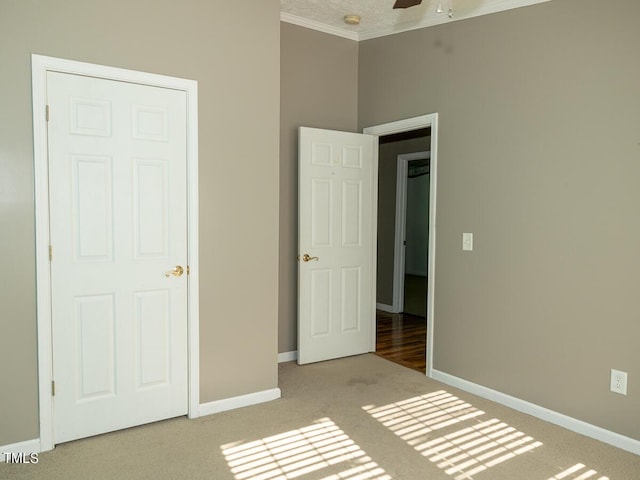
(321, 448)
(473, 447)
(578, 472)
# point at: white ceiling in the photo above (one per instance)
(378, 18)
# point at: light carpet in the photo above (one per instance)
(350, 419)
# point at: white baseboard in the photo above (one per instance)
(570, 423)
(288, 356)
(239, 401)
(385, 308)
(30, 446)
(33, 446)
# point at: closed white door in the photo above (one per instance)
(336, 241)
(118, 213)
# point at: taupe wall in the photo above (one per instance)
(387, 182)
(237, 67)
(539, 157)
(319, 88)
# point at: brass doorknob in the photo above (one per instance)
(307, 258)
(176, 272)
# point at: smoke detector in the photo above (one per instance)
(352, 19)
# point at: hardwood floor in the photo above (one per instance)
(402, 338)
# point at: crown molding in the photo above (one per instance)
(430, 21)
(427, 22)
(321, 27)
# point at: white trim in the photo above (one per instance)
(400, 235)
(401, 226)
(193, 306)
(288, 356)
(232, 403)
(385, 308)
(408, 124)
(28, 446)
(374, 233)
(319, 26)
(40, 66)
(401, 126)
(43, 288)
(570, 423)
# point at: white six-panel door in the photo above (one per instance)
(337, 215)
(118, 227)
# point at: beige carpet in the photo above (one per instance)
(356, 418)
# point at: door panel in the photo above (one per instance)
(337, 225)
(351, 298)
(153, 334)
(151, 219)
(94, 350)
(92, 208)
(118, 213)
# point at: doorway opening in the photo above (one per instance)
(411, 240)
(406, 241)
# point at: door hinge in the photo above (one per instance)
(50, 253)
(53, 388)
(46, 112)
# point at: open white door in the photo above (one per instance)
(336, 240)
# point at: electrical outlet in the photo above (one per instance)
(618, 381)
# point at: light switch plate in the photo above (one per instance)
(467, 242)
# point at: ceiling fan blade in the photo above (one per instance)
(406, 3)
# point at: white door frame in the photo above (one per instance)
(401, 226)
(406, 125)
(40, 66)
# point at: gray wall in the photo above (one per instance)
(319, 88)
(238, 114)
(539, 157)
(417, 226)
